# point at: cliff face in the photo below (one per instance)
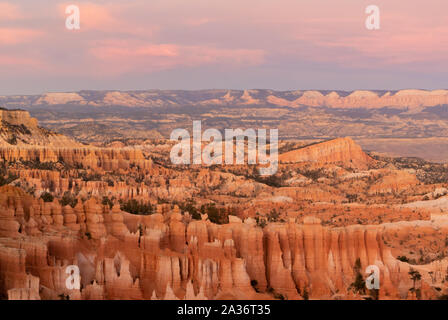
(88, 157)
(170, 256)
(339, 151)
(18, 117)
(21, 139)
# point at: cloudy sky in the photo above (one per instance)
(235, 44)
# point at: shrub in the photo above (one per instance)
(106, 201)
(313, 174)
(260, 222)
(191, 209)
(305, 294)
(10, 178)
(90, 177)
(47, 197)
(215, 215)
(12, 140)
(415, 276)
(135, 207)
(68, 199)
(254, 284)
(279, 296)
(273, 181)
(273, 216)
(359, 285)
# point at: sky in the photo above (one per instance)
(231, 44)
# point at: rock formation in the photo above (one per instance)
(17, 128)
(170, 258)
(142, 229)
(342, 151)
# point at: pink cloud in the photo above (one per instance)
(117, 50)
(387, 48)
(126, 37)
(403, 39)
(9, 11)
(94, 16)
(20, 64)
(12, 36)
(118, 57)
(195, 22)
(109, 18)
(233, 57)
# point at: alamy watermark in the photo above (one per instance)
(373, 20)
(212, 153)
(73, 21)
(373, 280)
(73, 281)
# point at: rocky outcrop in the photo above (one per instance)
(339, 151)
(17, 127)
(394, 181)
(87, 157)
(18, 117)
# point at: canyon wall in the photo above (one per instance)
(87, 157)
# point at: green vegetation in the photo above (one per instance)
(426, 171)
(12, 140)
(415, 276)
(403, 259)
(254, 284)
(90, 177)
(261, 222)
(215, 215)
(135, 207)
(106, 201)
(359, 285)
(273, 216)
(68, 199)
(10, 178)
(273, 181)
(305, 295)
(276, 295)
(313, 174)
(47, 197)
(34, 164)
(5, 176)
(189, 207)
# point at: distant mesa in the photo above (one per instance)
(408, 98)
(59, 98)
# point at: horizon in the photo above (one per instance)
(226, 89)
